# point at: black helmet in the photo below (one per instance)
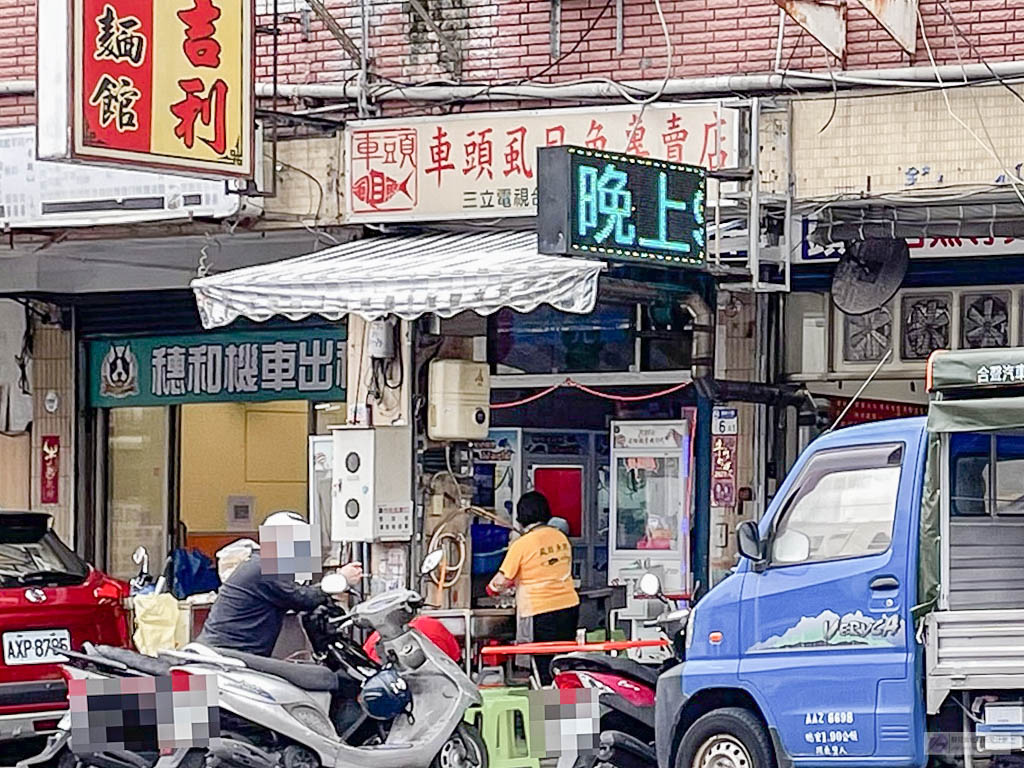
(385, 695)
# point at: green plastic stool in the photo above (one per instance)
(600, 636)
(504, 723)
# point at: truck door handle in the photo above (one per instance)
(885, 582)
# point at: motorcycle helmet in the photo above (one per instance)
(284, 517)
(385, 695)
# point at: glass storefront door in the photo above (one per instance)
(138, 466)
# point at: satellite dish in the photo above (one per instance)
(869, 273)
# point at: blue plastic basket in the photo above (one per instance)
(487, 537)
(488, 562)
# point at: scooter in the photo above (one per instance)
(284, 707)
(626, 688)
(278, 714)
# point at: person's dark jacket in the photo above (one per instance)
(250, 608)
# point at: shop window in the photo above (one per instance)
(137, 486)
(927, 320)
(613, 338)
(549, 341)
(866, 338)
(666, 337)
(984, 320)
(254, 453)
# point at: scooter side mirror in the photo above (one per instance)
(431, 561)
(650, 585)
(141, 558)
(334, 584)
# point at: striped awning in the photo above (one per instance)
(407, 276)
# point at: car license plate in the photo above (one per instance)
(37, 647)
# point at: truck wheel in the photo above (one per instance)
(726, 738)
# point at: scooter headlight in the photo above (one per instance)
(313, 719)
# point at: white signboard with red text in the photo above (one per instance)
(483, 165)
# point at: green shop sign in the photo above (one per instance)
(308, 364)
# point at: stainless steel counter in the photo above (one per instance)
(470, 623)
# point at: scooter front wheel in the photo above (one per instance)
(465, 748)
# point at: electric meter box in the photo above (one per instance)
(371, 479)
(459, 400)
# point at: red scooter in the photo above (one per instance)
(626, 688)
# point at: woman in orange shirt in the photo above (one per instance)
(539, 566)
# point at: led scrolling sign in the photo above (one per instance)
(621, 207)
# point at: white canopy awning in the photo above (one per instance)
(408, 276)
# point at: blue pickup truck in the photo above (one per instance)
(876, 617)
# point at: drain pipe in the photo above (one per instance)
(703, 351)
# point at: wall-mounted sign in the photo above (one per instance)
(153, 84)
(484, 165)
(620, 207)
(49, 482)
(723, 470)
(219, 367)
(35, 193)
(645, 435)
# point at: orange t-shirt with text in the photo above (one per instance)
(540, 564)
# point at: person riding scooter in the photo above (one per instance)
(251, 605)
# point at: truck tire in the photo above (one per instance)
(726, 738)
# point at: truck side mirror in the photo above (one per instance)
(748, 539)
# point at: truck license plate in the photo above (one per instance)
(37, 647)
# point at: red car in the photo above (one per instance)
(50, 599)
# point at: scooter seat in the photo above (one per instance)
(633, 670)
(133, 660)
(308, 677)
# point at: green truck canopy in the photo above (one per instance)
(977, 370)
(975, 390)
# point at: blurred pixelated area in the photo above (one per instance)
(143, 714)
(564, 724)
(290, 552)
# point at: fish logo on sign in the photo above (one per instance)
(376, 188)
(119, 372)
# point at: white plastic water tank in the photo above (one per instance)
(459, 400)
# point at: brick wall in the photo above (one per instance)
(507, 40)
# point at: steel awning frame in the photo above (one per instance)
(964, 215)
(407, 276)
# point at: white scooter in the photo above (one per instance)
(279, 712)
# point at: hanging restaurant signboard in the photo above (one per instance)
(154, 84)
(307, 364)
(620, 207)
(484, 165)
